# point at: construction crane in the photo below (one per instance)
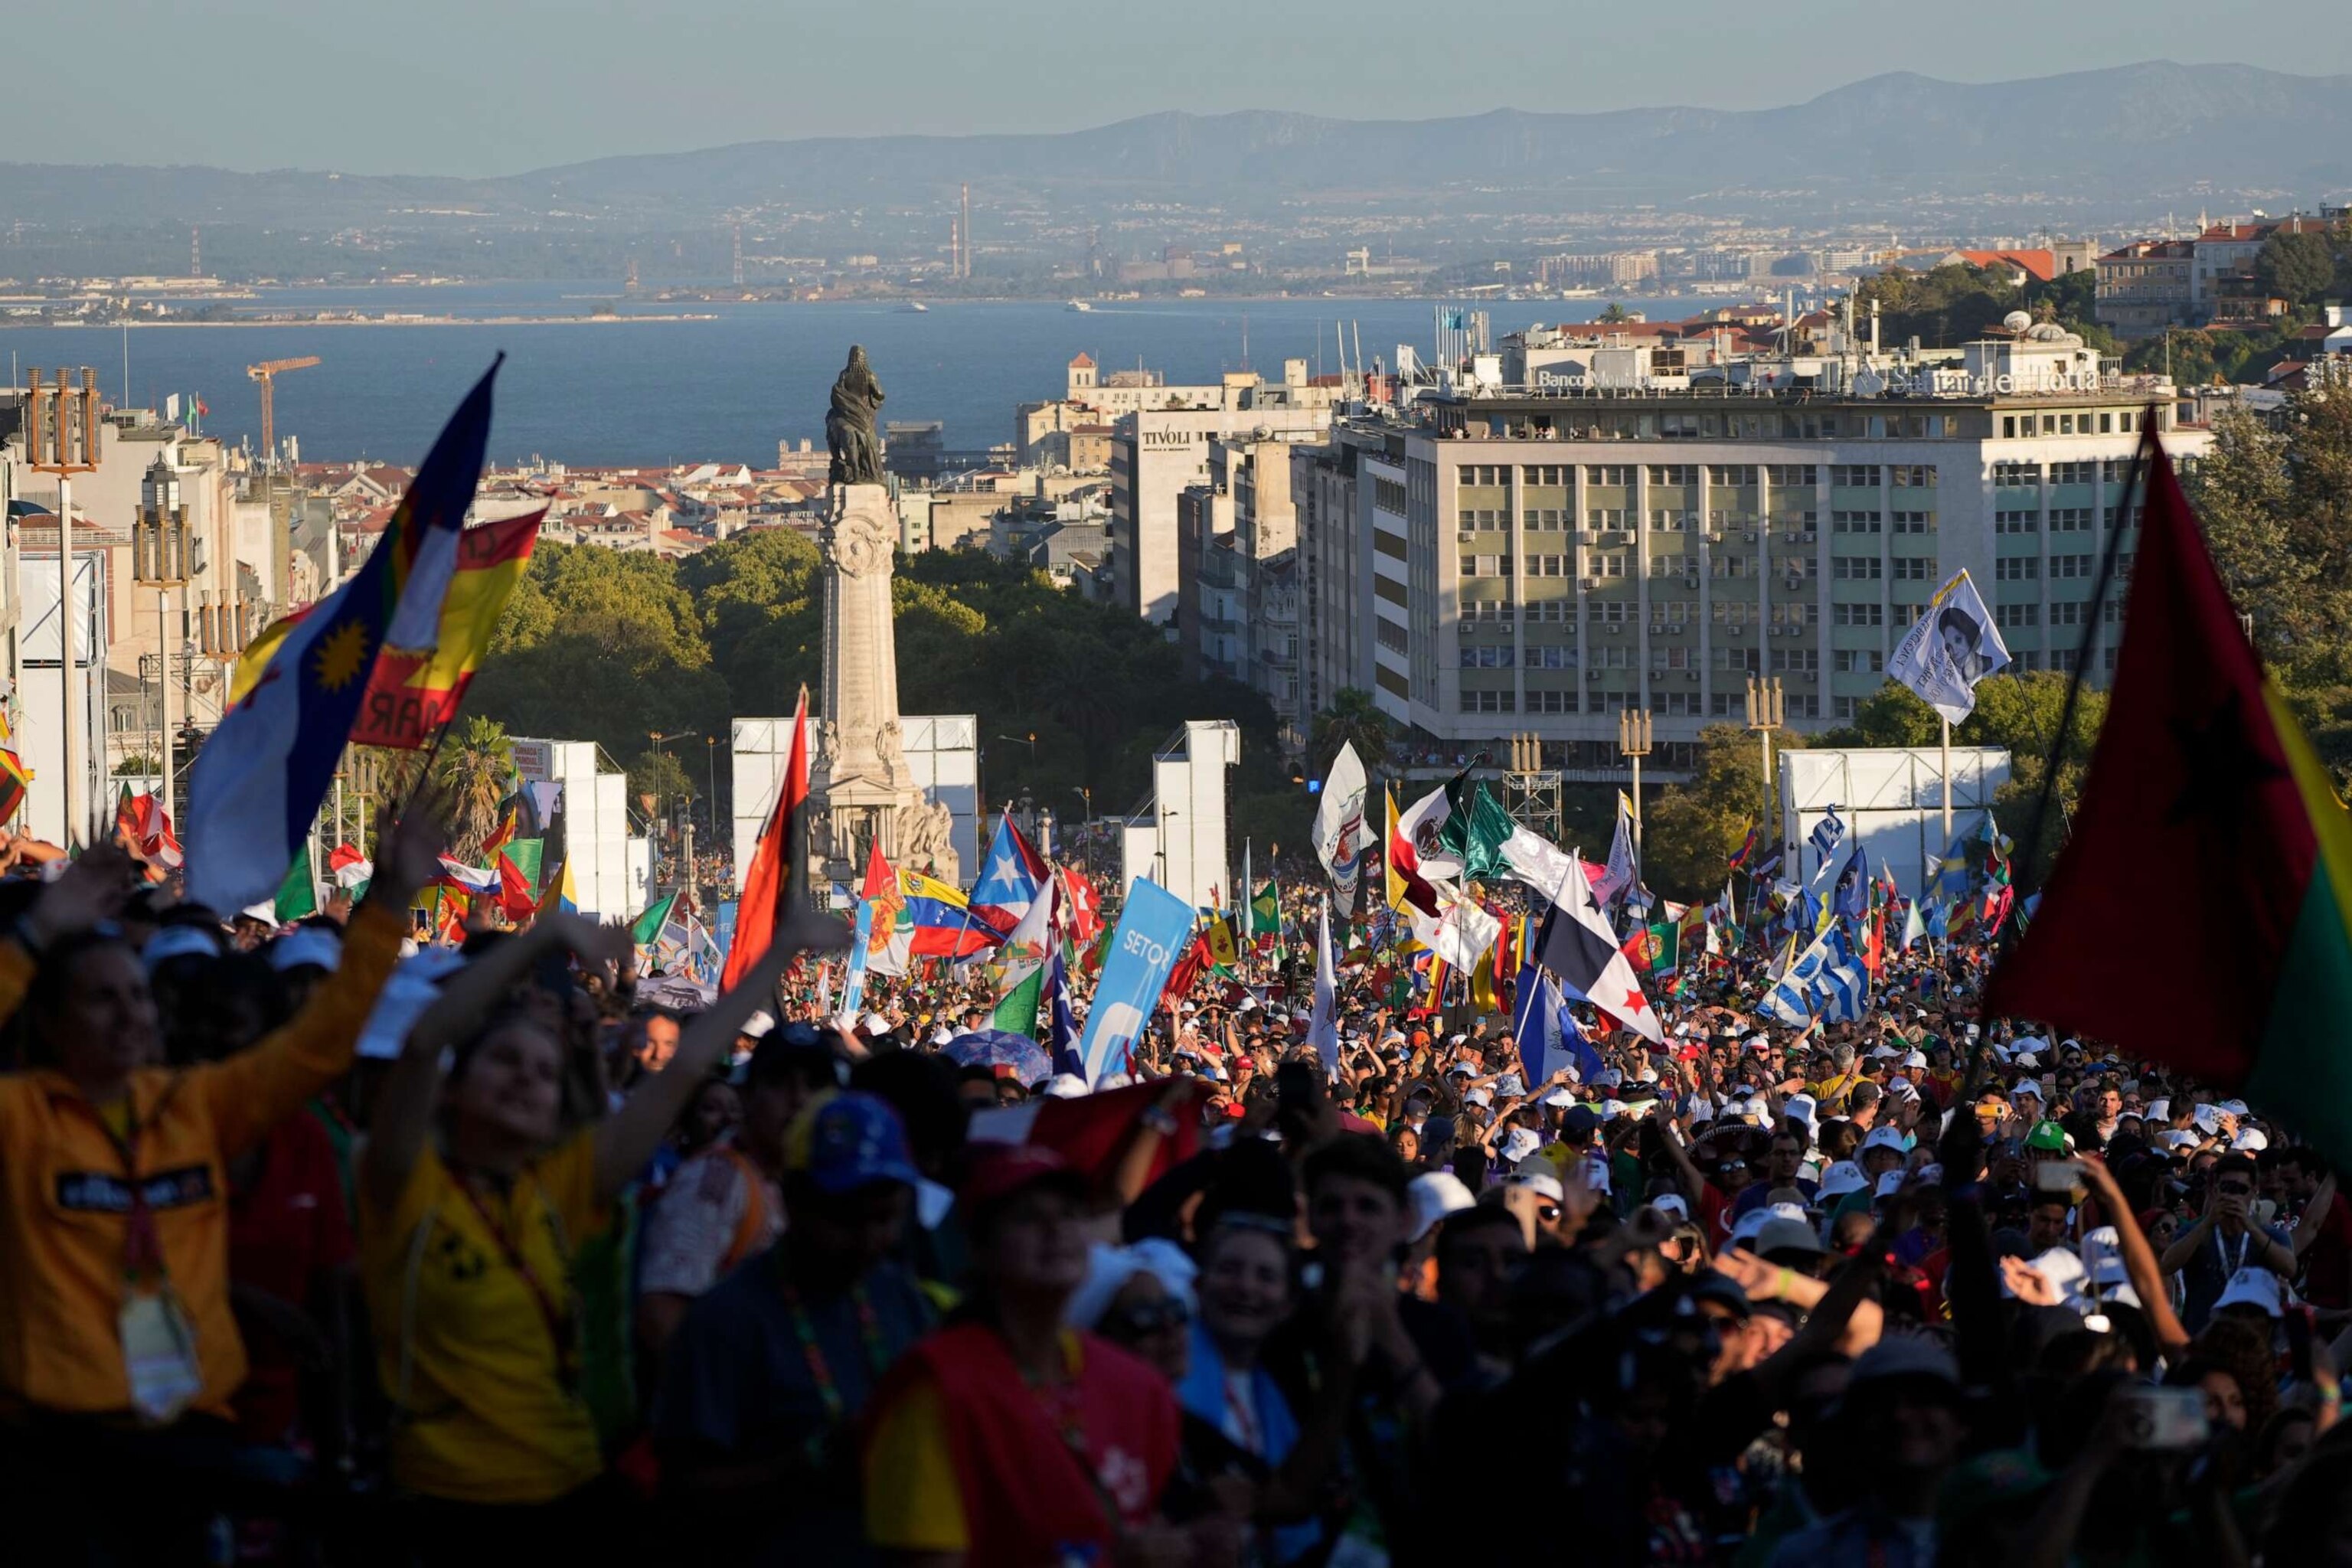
(266, 374)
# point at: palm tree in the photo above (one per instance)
(475, 773)
(1356, 720)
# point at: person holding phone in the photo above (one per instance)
(2223, 1240)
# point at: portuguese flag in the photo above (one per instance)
(2244, 977)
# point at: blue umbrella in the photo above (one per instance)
(1000, 1047)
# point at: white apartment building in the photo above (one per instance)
(1520, 561)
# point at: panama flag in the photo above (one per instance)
(259, 779)
(1582, 954)
(1009, 878)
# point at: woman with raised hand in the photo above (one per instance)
(118, 1353)
(473, 1199)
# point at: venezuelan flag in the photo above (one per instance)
(944, 925)
(259, 779)
(2242, 975)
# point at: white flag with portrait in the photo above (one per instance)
(1339, 835)
(1952, 645)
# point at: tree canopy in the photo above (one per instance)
(613, 648)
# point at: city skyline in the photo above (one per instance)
(521, 95)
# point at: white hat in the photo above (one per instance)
(874, 1024)
(2026, 1086)
(1066, 1086)
(1915, 1058)
(1557, 1095)
(179, 941)
(2063, 1266)
(942, 1035)
(1108, 1269)
(2209, 1120)
(1540, 1182)
(1842, 1178)
(2178, 1140)
(1887, 1051)
(1799, 1107)
(2159, 1110)
(1885, 1137)
(1477, 1097)
(2234, 1107)
(2103, 1258)
(757, 1025)
(1890, 1183)
(2025, 1059)
(1518, 1144)
(1433, 1197)
(2251, 1141)
(2252, 1286)
(1672, 1204)
(1646, 1075)
(1609, 1078)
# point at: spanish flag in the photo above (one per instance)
(416, 690)
(2243, 979)
(14, 781)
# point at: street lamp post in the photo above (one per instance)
(1634, 743)
(1766, 711)
(62, 438)
(1087, 843)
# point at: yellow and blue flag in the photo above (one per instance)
(258, 781)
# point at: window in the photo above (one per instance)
(2026, 661)
(1390, 636)
(1673, 565)
(1485, 565)
(2111, 613)
(1551, 565)
(1550, 610)
(1543, 517)
(1808, 614)
(1673, 474)
(1485, 656)
(1908, 568)
(1672, 520)
(1736, 659)
(1730, 474)
(1856, 615)
(1791, 475)
(1857, 661)
(1797, 566)
(1548, 657)
(1543, 475)
(1854, 521)
(1854, 474)
(1845, 707)
(2069, 519)
(1795, 660)
(2068, 613)
(2073, 473)
(1606, 517)
(1909, 615)
(1388, 495)
(1911, 522)
(2016, 569)
(2014, 615)
(2017, 522)
(1913, 476)
(1551, 701)
(1733, 612)
(1731, 565)
(2070, 566)
(2017, 475)
(2107, 516)
(1489, 702)
(1611, 612)
(1608, 474)
(1855, 568)
(1609, 566)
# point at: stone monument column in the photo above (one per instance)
(860, 786)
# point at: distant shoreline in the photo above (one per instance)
(382, 321)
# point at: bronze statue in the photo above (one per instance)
(849, 426)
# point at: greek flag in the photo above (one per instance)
(1827, 980)
(1828, 833)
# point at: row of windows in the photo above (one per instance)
(1781, 476)
(2014, 426)
(2025, 568)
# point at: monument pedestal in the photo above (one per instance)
(861, 791)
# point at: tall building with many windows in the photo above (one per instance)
(1518, 561)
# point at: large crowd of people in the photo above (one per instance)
(321, 1246)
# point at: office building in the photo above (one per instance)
(1510, 560)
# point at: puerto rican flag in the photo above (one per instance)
(1009, 878)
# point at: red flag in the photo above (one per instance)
(764, 883)
(514, 894)
(1189, 968)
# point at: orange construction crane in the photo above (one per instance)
(266, 372)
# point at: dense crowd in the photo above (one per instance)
(321, 1246)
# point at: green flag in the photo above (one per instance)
(298, 895)
(1265, 912)
(525, 854)
(1487, 828)
(647, 929)
(1016, 1010)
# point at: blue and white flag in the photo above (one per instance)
(1064, 1044)
(853, 988)
(1009, 878)
(1152, 930)
(1826, 980)
(1828, 833)
(1548, 1037)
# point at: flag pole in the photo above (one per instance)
(1948, 781)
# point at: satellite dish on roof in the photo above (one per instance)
(2017, 320)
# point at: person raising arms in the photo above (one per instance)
(474, 1189)
(118, 1351)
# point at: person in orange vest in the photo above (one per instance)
(118, 1353)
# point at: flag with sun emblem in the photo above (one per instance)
(259, 779)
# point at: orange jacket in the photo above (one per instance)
(63, 1189)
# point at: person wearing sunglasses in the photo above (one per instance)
(2223, 1240)
(1140, 1298)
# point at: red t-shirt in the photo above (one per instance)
(286, 1231)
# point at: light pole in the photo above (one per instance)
(1086, 844)
(1634, 744)
(1766, 711)
(63, 441)
(165, 553)
(711, 749)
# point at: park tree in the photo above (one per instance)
(2298, 268)
(1353, 719)
(1690, 831)
(473, 775)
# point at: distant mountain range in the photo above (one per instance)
(2157, 130)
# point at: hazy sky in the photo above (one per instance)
(479, 87)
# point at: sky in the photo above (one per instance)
(495, 87)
